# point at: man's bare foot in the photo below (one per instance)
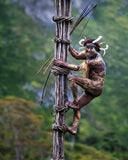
(72, 105)
(72, 130)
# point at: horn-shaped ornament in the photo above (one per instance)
(104, 49)
(81, 42)
(96, 40)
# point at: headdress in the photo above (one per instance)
(95, 43)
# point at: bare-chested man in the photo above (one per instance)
(92, 83)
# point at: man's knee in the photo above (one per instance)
(97, 93)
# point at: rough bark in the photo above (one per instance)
(63, 8)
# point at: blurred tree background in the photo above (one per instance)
(26, 42)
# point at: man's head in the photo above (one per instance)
(91, 48)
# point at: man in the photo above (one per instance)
(94, 68)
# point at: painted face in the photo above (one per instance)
(89, 51)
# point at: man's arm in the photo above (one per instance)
(60, 63)
(75, 54)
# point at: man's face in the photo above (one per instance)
(89, 51)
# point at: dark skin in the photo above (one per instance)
(92, 84)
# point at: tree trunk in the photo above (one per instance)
(63, 8)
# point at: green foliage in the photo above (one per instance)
(21, 41)
(83, 152)
(21, 134)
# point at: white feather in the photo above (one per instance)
(107, 46)
(80, 42)
(104, 49)
(96, 40)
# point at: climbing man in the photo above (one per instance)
(92, 83)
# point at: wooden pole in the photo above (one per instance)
(63, 9)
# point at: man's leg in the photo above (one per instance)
(74, 89)
(84, 100)
(85, 83)
(76, 118)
